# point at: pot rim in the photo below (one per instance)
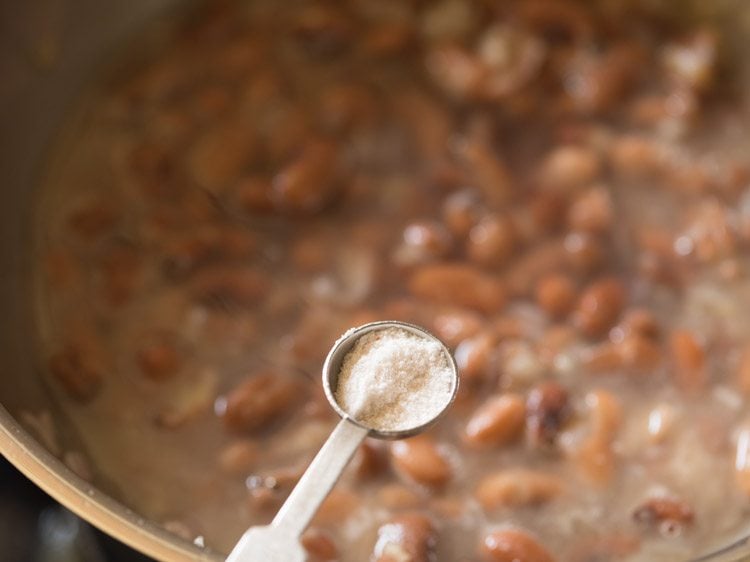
(85, 500)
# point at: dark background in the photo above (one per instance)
(35, 528)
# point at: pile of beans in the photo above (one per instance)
(560, 193)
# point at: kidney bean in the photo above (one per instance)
(547, 411)
(458, 284)
(570, 167)
(239, 457)
(516, 488)
(418, 459)
(429, 123)
(473, 357)
(78, 370)
(409, 537)
(600, 306)
(258, 401)
(252, 195)
(556, 294)
(491, 241)
(513, 545)
(637, 322)
(639, 353)
(456, 70)
(688, 358)
(497, 422)
(592, 211)
(120, 269)
(310, 182)
(319, 545)
(542, 259)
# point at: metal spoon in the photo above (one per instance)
(279, 541)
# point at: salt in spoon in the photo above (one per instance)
(280, 541)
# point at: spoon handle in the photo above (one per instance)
(319, 478)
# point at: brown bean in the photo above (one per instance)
(668, 515)
(398, 497)
(258, 401)
(239, 457)
(120, 269)
(556, 294)
(595, 456)
(547, 411)
(454, 326)
(93, 220)
(490, 173)
(228, 286)
(473, 357)
(497, 422)
(592, 211)
(636, 322)
(570, 167)
(369, 461)
(600, 306)
(513, 545)
(583, 252)
(252, 195)
(409, 537)
(742, 460)
(78, 370)
(337, 507)
(637, 157)
(461, 211)
(517, 487)
(689, 360)
(310, 182)
(423, 241)
(319, 545)
(491, 241)
(159, 359)
(742, 376)
(219, 156)
(639, 353)
(542, 259)
(455, 70)
(419, 459)
(458, 284)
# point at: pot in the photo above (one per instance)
(51, 48)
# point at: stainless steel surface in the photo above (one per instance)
(279, 542)
(48, 50)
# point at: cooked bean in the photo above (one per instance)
(513, 545)
(461, 211)
(556, 294)
(491, 241)
(423, 241)
(543, 259)
(742, 460)
(258, 401)
(369, 461)
(77, 368)
(595, 456)
(310, 182)
(497, 422)
(490, 173)
(688, 357)
(229, 286)
(93, 220)
(516, 488)
(120, 273)
(473, 357)
(159, 359)
(454, 326)
(570, 167)
(319, 545)
(337, 507)
(220, 155)
(600, 306)
(253, 195)
(239, 456)
(583, 252)
(547, 411)
(669, 515)
(458, 284)
(398, 497)
(743, 371)
(606, 547)
(419, 459)
(409, 537)
(592, 211)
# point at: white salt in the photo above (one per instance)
(394, 380)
